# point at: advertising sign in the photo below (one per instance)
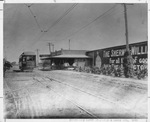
(114, 56)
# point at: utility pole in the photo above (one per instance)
(126, 25)
(53, 47)
(37, 56)
(69, 44)
(128, 60)
(49, 44)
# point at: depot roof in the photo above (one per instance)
(71, 56)
(67, 56)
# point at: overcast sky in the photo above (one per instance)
(77, 22)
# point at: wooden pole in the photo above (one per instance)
(49, 44)
(69, 44)
(53, 47)
(37, 56)
(126, 27)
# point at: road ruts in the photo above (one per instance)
(28, 103)
(76, 94)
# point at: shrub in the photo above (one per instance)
(118, 72)
(111, 70)
(96, 70)
(141, 74)
(128, 65)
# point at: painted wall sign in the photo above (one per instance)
(114, 55)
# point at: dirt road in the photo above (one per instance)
(70, 94)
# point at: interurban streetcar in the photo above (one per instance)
(27, 61)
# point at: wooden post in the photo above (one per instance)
(126, 27)
(69, 44)
(37, 57)
(49, 44)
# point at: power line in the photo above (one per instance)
(35, 18)
(59, 19)
(121, 12)
(101, 16)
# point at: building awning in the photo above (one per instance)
(71, 56)
(67, 56)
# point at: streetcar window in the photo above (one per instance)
(29, 58)
(24, 59)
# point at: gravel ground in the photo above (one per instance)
(129, 93)
(69, 94)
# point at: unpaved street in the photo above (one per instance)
(70, 94)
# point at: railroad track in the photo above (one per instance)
(13, 97)
(23, 95)
(74, 103)
(47, 85)
(18, 95)
(101, 96)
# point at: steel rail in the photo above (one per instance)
(100, 96)
(15, 102)
(80, 107)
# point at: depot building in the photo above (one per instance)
(100, 57)
(77, 58)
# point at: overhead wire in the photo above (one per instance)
(58, 20)
(118, 13)
(35, 18)
(100, 16)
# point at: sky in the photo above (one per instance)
(88, 26)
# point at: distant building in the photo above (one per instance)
(67, 57)
(100, 57)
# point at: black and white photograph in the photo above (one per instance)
(75, 60)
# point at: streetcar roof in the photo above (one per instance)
(28, 53)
